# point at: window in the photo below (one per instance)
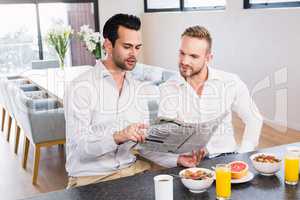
(202, 5)
(75, 15)
(158, 5)
(270, 3)
(22, 39)
(18, 37)
(183, 5)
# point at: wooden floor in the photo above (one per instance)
(15, 183)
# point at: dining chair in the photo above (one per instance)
(4, 81)
(43, 123)
(30, 94)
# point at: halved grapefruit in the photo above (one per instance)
(239, 169)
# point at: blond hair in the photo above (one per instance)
(199, 32)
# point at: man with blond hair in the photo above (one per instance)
(203, 93)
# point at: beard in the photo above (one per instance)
(188, 72)
(123, 64)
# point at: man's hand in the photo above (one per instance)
(134, 132)
(191, 160)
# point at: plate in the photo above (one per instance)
(245, 179)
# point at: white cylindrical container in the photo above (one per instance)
(163, 185)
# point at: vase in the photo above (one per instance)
(61, 62)
(98, 62)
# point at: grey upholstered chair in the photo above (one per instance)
(42, 121)
(3, 94)
(44, 64)
(4, 82)
(2, 106)
(34, 94)
(29, 87)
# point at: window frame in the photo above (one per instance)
(248, 5)
(149, 10)
(181, 9)
(201, 8)
(37, 2)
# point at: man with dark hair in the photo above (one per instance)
(110, 29)
(104, 116)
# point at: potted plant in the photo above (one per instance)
(91, 40)
(59, 37)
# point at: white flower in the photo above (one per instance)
(96, 37)
(91, 39)
(58, 37)
(86, 29)
(91, 46)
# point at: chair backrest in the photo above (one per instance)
(44, 64)
(148, 73)
(29, 87)
(155, 75)
(1, 92)
(16, 94)
(42, 119)
(5, 96)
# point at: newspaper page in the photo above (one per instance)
(173, 136)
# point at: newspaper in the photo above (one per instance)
(173, 136)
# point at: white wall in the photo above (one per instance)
(108, 8)
(253, 43)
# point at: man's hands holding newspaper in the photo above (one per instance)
(134, 132)
(193, 159)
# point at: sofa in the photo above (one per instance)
(154, 76)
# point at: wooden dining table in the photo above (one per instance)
(141, 187)
(55, 80)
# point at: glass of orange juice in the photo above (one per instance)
(223, 181)
(291, 167)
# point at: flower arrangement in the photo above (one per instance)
(59, 37)
(91, 39)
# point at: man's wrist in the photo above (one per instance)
(118, 137)
(179, 161)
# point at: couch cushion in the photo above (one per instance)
(149, 73)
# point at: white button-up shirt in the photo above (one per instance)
(94, 110)
(221, 92)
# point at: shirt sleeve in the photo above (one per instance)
(87, 139)
(247, 110)
(163, 159)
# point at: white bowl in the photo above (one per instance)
(197, 186)
(266, 169)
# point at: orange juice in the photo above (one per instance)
(223, 181)
(291, 170)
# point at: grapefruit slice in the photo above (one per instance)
(239, 169)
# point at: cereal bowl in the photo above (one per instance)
(265, 163)
(196, 179)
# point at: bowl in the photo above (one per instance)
(197, 186)
(265, 168)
